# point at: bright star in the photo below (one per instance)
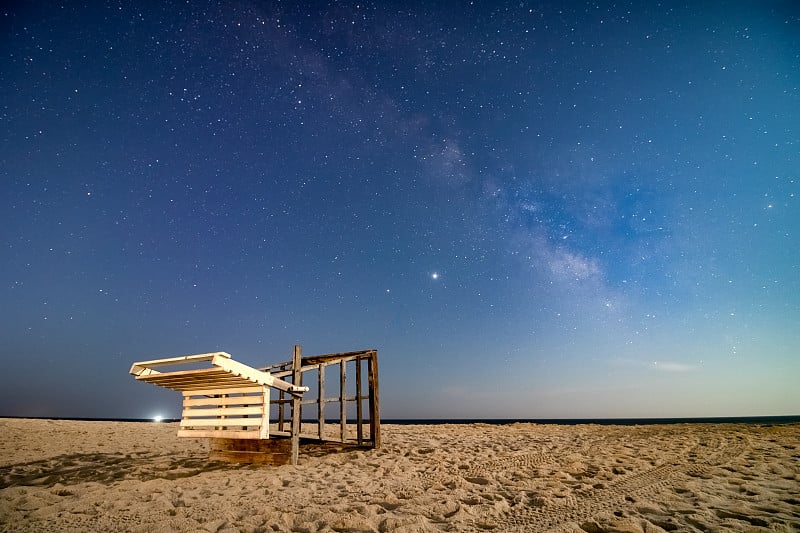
(435, 275)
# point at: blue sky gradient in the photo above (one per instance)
(531, 210)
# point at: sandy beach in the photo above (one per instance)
(127, 476)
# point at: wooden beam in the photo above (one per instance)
(374, 404)
(315, 401)
(138, 368)
(359, 408)
(264, 433)
(342, 402)
(310, 363)
(297, 407)
(321, 400)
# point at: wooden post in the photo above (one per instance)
(281, 398)
(321, 400)
(264, 430)
(342, 401)
(374, 404)
(297, 376)
(224, 406)
(359, 408)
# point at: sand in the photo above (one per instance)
(120, 476)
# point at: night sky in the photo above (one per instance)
(532, 210)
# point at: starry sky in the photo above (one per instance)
(531, 209)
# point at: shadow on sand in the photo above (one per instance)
(106, 468)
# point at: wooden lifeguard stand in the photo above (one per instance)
(231, 403)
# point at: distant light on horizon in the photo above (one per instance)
(158, 418)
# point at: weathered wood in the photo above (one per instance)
(359, 407)
(261, 452)
(310, 363)
(315, 401)
(330, 357)
(321, 401)
(312, 436)
(374, 405)
(342, 402)
(215, 433)
(297, 407)
(281, 403)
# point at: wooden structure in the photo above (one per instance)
(233, 404)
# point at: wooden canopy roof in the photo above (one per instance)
(224, 373)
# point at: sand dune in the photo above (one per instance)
(117, 476)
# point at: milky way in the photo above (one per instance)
(530, 209)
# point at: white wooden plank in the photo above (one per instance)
(253, 399)
(223, 411)
(218, 434)
(211, 422)
(209, 391)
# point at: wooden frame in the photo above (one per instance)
(346, 431)
(230, 402)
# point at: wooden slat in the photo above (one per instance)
(205, 422)
(326, 400)
(221, 383)
(210, 376)
(208, 380)
(190, 374)
(228, 390)
(313, 436)
(219, 434)
(224, 411)
(255, 399)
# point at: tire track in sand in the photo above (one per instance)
(624, 492)
(552, 514)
